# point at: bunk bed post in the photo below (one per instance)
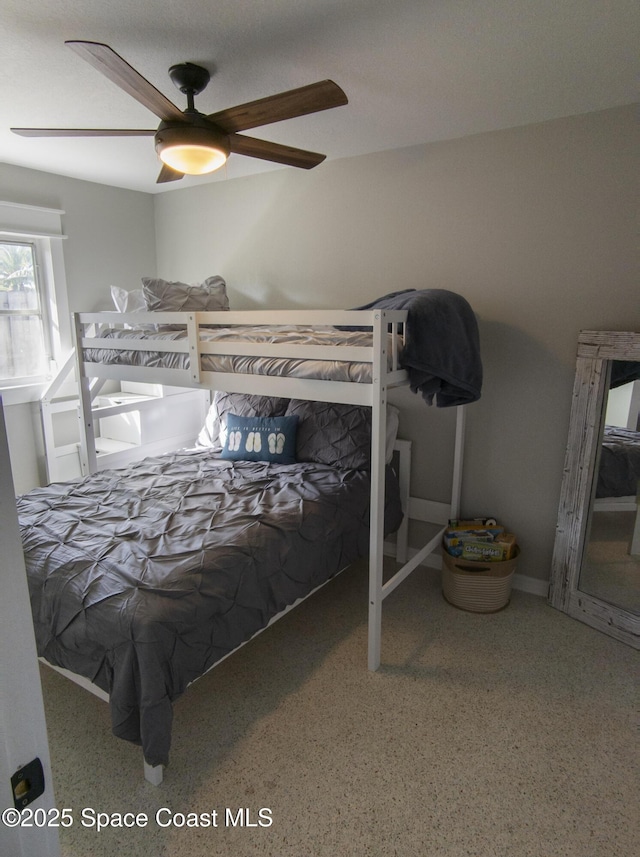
(88, 460)
(153, 774)
(376, 513)
(194, 346)
(456, 488)
(403, 448)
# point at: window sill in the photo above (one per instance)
(22, 394)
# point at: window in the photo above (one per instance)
(25, 351)
(34, 314)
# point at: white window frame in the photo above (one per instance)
(41, 227)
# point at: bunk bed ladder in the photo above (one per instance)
(72, 389)
(55, 400)
(51, 403)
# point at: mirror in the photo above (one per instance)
(595, 575)
(611, 562)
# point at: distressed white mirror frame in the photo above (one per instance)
(596, 350)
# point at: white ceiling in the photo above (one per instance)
(414, 71)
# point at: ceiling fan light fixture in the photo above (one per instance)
(191, 149)
(193, 160)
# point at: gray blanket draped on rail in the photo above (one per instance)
(442, 344)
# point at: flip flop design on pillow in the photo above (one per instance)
(276, 443)
(254, 442)
(233, 443)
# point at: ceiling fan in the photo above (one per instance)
(189, 142)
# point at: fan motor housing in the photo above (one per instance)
(189, 77)
(195, 147)
(190, 133)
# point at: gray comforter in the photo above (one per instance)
(143, 578)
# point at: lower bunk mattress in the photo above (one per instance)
(143, 578)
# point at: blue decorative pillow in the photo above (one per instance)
(261, 439)
(214, 431)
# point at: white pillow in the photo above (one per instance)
(125, 301)
(132, 301)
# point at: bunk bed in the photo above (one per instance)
(321, 370)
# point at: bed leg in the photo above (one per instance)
(376, 508)
(153, 774)
(456, 489)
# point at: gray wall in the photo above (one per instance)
(535, 226)
(110, 240)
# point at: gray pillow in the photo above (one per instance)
(334, 434)
(165, 296)
(214, 432)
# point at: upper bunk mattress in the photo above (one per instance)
(324, 370)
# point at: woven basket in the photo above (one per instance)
(481, 587)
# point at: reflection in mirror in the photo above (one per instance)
(594, 569)
(611, 563)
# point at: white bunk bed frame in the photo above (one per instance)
(386, 374)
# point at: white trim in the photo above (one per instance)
(28, 233)
(21, 394)
(533, 585)
(30, 220)
(34, 208)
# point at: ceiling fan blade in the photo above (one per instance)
(111, 65)
(276, 152)
(285, 105)
(82, 132)
(167, 174)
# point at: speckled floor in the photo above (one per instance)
(510, 734)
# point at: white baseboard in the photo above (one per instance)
(521, 582)
(534, 585)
